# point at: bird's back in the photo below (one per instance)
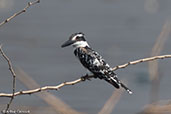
(94, 62)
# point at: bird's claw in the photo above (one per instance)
(85, 77)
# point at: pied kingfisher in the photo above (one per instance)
(92, 61)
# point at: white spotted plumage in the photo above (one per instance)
(94, 62)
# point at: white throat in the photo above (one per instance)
(80, 44)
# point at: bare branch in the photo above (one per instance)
(82, 78)
(159, 107)
(154, 74)
(13, 74)
(140, 61)
(59, 106)
(5, 57)
(111, 102)
(42, 89)
(20, 12)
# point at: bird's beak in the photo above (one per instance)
(67, 43)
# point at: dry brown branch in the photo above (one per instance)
(141, 60)
(57, 104)
(111, 102)
(20, 12)
(157, 48)
(31, 91)
(13, 74)
(160, 107)
(5, 57)
(154, 65)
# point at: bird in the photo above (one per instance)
(93, 61)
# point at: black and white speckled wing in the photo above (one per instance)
(97, 65)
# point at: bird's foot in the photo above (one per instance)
(86, 77)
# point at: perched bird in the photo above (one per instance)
(92, 61)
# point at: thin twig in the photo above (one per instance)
(5, 57)
(13, 74)
(42, 89)
(140, 61)
(59, 106)
(20, 12)
(154, 71)
(81, 79)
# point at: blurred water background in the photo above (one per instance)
(120, 30)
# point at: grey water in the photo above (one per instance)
(120, 30)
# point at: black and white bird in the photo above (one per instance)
(92, 61)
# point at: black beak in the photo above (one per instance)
(67, 43)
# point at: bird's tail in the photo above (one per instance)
(114, 81)
(117, 83)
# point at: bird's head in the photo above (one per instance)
(76, 40)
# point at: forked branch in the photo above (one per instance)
(13, 75)
(5, 57)
(20, 12)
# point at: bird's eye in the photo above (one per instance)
(77, 38)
